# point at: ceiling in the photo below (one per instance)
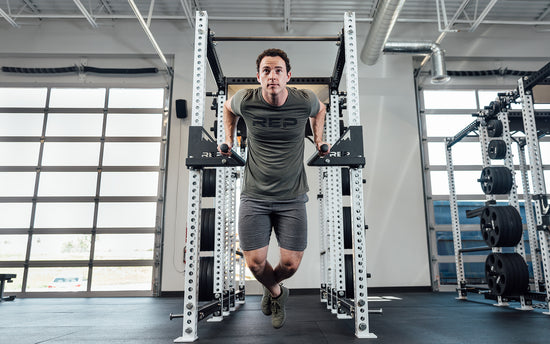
(468, 14)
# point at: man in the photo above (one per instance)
(275, 186)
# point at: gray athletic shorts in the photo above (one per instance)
(287, 218)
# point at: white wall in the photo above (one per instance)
(397, 244)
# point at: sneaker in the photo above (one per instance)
(278, 315)
(266, 302)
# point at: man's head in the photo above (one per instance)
(273, 53)
(273, 72)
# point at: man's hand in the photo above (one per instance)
(323, 148)
(225, 149)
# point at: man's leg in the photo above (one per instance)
(288, 264)
(262, 270)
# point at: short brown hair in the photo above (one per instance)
(273, 52)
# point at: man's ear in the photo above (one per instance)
(288, 76)
(258, 77)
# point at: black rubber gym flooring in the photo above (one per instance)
(416, 317)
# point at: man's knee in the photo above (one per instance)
(256, 266)
(290, 265)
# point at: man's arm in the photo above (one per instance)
(317, 125)
(230, 123)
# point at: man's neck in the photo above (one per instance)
(276, 99)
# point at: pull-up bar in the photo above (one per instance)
(276, 38)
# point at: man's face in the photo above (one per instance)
(273, 75)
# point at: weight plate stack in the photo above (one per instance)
(348, 266)
(496, 180)
(507, 274)
(209, 182)
(501, 226)
(345, 182)
(206, 279)
(208, 226)
(494, 128)
(497, 149)
(348, 239)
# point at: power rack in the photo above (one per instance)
(211, 275)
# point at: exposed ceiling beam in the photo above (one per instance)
(483, 15)
(150, 14)
(449, 24)
(32, 6)
(197, 5)
(107, 6)
(286, 20)
(8, 19)
(333, 19)
(86, 14)
(188, 13)
(544, 14)
(149, 34)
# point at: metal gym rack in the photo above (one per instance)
(345, 300)
(507, 273)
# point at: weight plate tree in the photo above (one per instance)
(537, 175)
(507, 274)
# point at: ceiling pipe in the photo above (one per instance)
(379, 32)
(439, 70)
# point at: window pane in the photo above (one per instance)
(67, 184)
(71, 154)
(544, 152)
(57, 279)
(446, 125)
(23, 97)
(124, 246)
(13, 247)
(446, 99)
(17, 183)
(131, 154)
(19, 153)
(64, 215)
(465, 182)
(437, 153)
(467, 153)
(77, 98)
(136, 98)
(74, 125)
(60, 247)
(138, 214)
(122, 278)
(487, 96)
(15, 215)
(17, 283)
(134, 125)
(129, 184)
(21, 124)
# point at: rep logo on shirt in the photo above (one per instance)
(274, 122)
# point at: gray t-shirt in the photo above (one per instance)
(275, 163)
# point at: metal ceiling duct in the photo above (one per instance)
(384, 20)
(439, 70)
